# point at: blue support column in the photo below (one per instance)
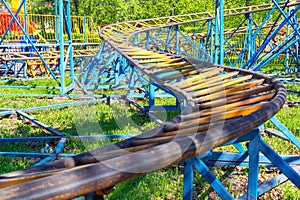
(209, 40)
(61, 46)
(25, 18)
(221, 10)
(84, 29)
(176, 40)
(219, 32)
(56, 21)
(147, 39)
(151, 95)
(131, 81)
(251, 40)
(188, 180)
(287, 51)
(253, 151)
(65, 21)
(135, 39)
(216, 43)
(70, 46)
(168, 39)
(117, 65)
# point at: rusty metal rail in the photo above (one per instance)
(222, 104)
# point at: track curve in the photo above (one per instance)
(222, 103)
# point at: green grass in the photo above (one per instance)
(118, 118)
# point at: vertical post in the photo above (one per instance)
(69, 29)
(131, 80)
(168, 39)
(251, 42)
(188, 180)
(151, 94)
(56, 22)
(297, 56)
(217, 24)
(177, 41)
(219, 32)
(84, 28)
(297, 67)
(135, 38)
(253, 151)
(25, 18)
(61, 46)
(116, 67)
(287, 51)
(147, 40)
(221, 10)
(210, 39)
(200, 46)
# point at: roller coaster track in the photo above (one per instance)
(221, 104)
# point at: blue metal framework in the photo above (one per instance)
(253, 57)
(55, 134)
(251, 158)
(210, 42)
(59, 74)
(266, 36)
(110, 70)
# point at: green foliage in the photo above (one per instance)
(108, 12)
(41, 7)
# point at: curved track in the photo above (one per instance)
(222, 103)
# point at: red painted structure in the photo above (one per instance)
(6, 18)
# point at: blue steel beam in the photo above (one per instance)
(33, 155)
(79, 137)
